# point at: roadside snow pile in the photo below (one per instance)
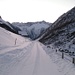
(8, 39)
(65, 65)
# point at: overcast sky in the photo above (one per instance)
(34, 10)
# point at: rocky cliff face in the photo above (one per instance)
(62, 30)
(8, 26)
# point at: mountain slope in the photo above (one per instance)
(62, 32)
(8, 26)
(32, 29)
(67, 21)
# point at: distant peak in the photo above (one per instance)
(43, 21)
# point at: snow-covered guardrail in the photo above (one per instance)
(67, 52)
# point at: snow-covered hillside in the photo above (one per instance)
(32, 29)
(8, 39)
(61, 34)
(65, 65)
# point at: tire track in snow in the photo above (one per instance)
(14, 47)
(34, 62)
(12, 58)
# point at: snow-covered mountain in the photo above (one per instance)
(8, 26)
(61, 34)
(32, 29)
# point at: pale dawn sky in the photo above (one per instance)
(34, 10)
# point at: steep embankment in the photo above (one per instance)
(8, 26)
(62, 32)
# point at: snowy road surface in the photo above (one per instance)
(27, 59)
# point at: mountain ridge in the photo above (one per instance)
(64, 20)
(8, 26)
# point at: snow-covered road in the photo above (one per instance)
(27, 59)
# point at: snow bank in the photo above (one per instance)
(8, 38)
